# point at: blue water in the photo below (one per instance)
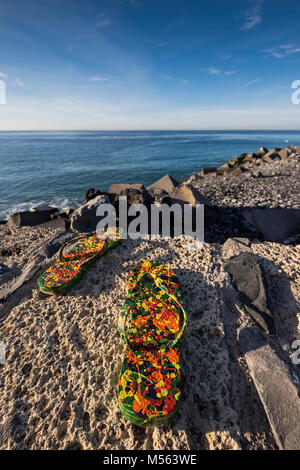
(57, 167)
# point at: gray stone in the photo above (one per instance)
(3, 268)
(274, 224)
(90, 194)
(84, 219)
(235, 246)
(248, 279)
(38, 257)
(278, 391)
(30, 218)
(136, 196)
(166, 183)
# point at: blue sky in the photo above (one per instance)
(147, 64)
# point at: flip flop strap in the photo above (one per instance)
(80, 237)
(70, 242)
(161, 286)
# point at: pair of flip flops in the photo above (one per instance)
(151, 324)
(75, 257)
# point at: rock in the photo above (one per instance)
(187, 194)
(242, 157)
(274, 224)
(236, 171)
(235, 246)
(166, 183)
(62, 214)
(251, 157)
(136, 196)
(157, 194)
(224, 169)
(90, 194)
(245, 165)
(29, 218)
(262, 151)
(248, 279)
(56, 224)
(277, 389)
(49, 249)
(3, 268)
(117, 188)
(297, 149)
(84, 219)
(38, 257)
(233, 162)
(284, 153)
(269, 156)
(208, 171)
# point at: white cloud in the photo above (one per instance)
(253, 16)
(278, 55)
(2, 75)
(282, 51)
(214, 71)
(98, 79)
(286, 46)
(211, 70)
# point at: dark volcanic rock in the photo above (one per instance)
(90, 194)
(247, 277)
(30, 218)
(136, 196)
(276, 388)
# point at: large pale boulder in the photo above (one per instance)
(166, 183)
(84, 219)
(117, 188)
(187, 194)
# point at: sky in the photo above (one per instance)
(149, 64)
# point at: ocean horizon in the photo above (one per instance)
(57, 167)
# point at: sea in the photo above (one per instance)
(57, 167)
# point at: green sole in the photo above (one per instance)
(156, 421)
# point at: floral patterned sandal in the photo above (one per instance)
(150, 381)
(83, 252)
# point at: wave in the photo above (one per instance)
(60, 203)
